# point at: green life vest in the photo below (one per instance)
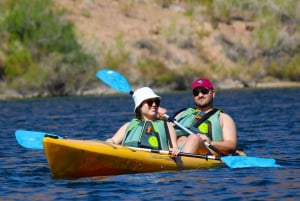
(146, 134)
(210, 127)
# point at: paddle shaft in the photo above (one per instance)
(179, 154)
(190, 132)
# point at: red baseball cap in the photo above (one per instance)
(202, 82)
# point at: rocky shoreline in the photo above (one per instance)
(9, 94)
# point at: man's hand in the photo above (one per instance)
(161, 112)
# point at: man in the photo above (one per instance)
(208, 123)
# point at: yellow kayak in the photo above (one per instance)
(70, 158)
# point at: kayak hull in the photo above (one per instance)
(69, 158)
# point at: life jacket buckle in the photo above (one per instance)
(198, 117)
(149, 129)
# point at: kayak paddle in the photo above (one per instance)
(233, 161)
(32, 139)
(115, 80)
(230, 161)
(119, 83)
(179, 154)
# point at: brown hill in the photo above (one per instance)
(163, 31)
(150, 29)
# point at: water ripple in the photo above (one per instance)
(268, 123)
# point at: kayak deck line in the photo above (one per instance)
(70, 158)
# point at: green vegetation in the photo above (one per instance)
(273, 49)
(39, 49)
(275, 39)
(40, 52)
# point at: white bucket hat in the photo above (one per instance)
(143, 94)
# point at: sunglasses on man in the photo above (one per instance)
(204, 91)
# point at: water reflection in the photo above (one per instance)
(268, 124)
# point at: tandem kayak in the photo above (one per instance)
(70, 158)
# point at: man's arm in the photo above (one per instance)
(229, 143)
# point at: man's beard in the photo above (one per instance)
(209, 103)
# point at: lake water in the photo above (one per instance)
(268, 123)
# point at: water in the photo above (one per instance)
(268, 124)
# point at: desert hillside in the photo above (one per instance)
(56, 47)
(102, 22)
(143, 27)
(161, 30)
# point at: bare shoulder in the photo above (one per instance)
(178, 114)
(228, 128)
(125, 125)
(224, 117)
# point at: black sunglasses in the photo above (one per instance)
(151, 101)
(204, 91)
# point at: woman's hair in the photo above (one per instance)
(138, 113)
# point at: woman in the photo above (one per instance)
(145, 130)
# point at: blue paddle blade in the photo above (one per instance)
(32, 139)
(115, 80)
(247, 162)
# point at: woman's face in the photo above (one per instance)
(149, 108)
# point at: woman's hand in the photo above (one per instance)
(110, 140)
(175, 151)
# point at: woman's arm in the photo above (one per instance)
(119, 135)
(173, 137)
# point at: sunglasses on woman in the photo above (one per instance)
(151, 101)
(204, 91)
